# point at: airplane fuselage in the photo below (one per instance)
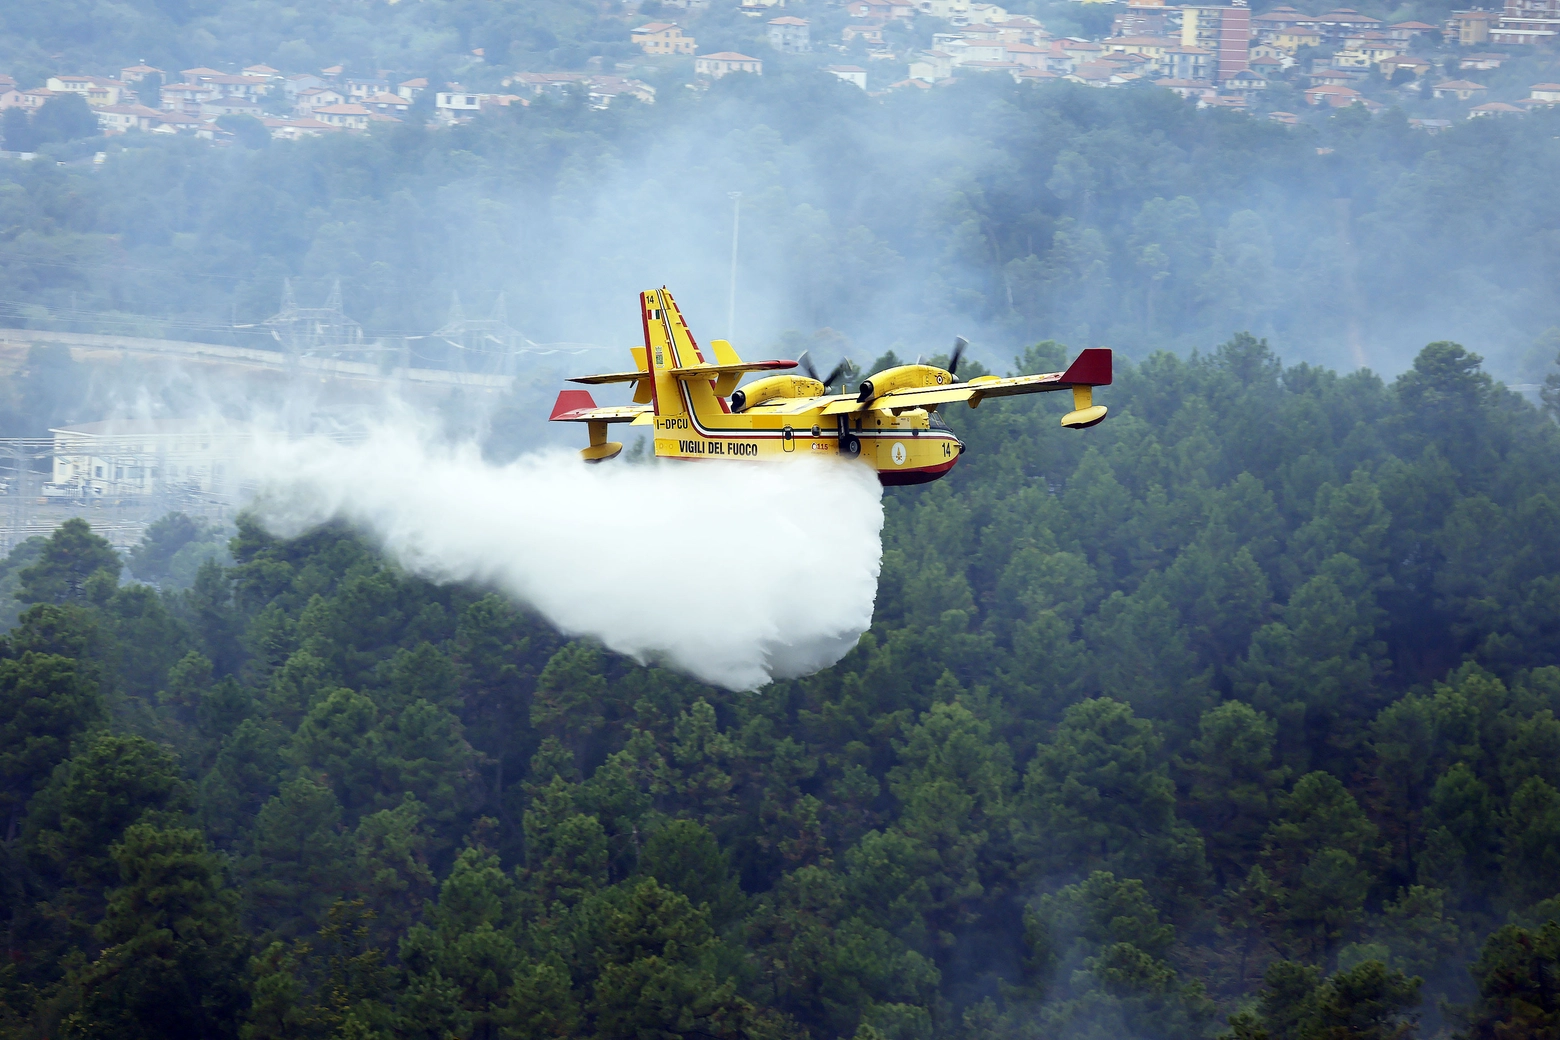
(910, 448)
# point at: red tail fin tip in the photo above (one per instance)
(571, 401)
(1091, 368)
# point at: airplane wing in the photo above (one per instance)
(579, 406)
(1091, 368)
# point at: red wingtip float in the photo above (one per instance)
(689, 395)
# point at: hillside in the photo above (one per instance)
(1239, 704)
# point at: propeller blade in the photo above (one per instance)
(959, 344)
(804, 362)
(834, 375)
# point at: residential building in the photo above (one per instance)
(663, 38)
(358, 89)
(10, 97)
(1141, 18)
(1344, 21)
(1470, 28)
(180, 123)
(1151, 47)
(603, 91)
(1291, 40)
(954, 11)
(852, 74)
(789, 35)
(296, 84)
(1246, 84)
(1098, 74)
(1036, 76)
(238, 86)
(36, 97)
(870, 33)
(1224, 30)
(348, 115)
(1461, 89)
(118, 119)
(1527, 22)
(1187, 63)
(1268, 68)
(409, 89)
(1408, 32)
(316, 97)
(230, 106)
(1493, 109)
(387, 104)
(1327, 94)
(293, 129)
(1268, 24)
(1363, 52)
(96, 89)
(880, 10)
(758, 7)
(186, 98)
(491, 101)
(456, 104)
(136, 73)
(1019, 29)
(1330, 77)
(1481, 62)
(932, 66)
(1544, 93)
(263, 71)
(724, 63)
(1188, 88)
(1026, 54)
(1416, 67)
(987, 14)
(1284, 118)
(980, 50)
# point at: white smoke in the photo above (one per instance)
(735, 573)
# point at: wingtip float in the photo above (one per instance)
(690, 396)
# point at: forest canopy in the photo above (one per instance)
(1006, 213)
(1235, 714)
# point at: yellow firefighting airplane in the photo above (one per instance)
(891, 422)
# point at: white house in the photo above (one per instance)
(853, 74)
(724, 63)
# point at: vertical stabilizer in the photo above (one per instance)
(669, 345)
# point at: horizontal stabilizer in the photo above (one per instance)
(714, 371)
(578, 406)
(610, 377)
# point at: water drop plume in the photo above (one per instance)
(735, 573)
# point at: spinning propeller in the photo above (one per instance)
(959, 343)
(806, 365)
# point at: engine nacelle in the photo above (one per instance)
(904, 377)
(773, 388)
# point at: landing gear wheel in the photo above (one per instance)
(850, 445)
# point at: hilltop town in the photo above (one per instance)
(1282, 64)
